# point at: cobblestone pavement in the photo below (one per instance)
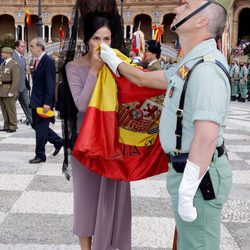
(36, 200)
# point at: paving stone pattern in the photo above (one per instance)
(36, 200)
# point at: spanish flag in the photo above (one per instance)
(27, 17)
(119, 135)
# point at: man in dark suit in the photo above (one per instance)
(23, 95)
(42, 95)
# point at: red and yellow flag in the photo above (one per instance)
(119, 135)
(159, 31)
(27, 17)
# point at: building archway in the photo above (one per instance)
(57, 22)
(239, 7)
(7, 27)
(145, 22)
(244, 28)
(169, 36)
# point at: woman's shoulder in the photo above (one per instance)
(78, 62)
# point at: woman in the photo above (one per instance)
(102, 207)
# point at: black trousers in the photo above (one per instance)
(44, 134)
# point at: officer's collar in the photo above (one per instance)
(199, 50)
(7, 60)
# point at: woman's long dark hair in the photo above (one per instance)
(89, 16)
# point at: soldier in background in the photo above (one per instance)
(9, 80)
(234, 74)
(153, 53)
(243, 81)
(248, 79)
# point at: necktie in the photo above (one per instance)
(36, 63)
(22, 59)
(4, 63)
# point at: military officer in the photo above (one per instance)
(193, 120)
(243, 74)
(152, 55)
(9, 79)
(234, 74)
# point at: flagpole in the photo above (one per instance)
(40, 23)
(26, 29)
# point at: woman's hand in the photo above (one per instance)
(96, 62)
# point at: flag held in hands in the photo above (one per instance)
(119, 135)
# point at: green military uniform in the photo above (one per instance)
(154, 66)
(207, 98)
(248, 83)
(9, 79)
(243, 82)
(234, 74)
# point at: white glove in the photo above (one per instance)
(10, 94)
(110, 58)
(187, 190)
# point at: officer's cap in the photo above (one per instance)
(154, 46)
(226, 4)
(7, 50)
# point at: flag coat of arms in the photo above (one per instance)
(119, 138)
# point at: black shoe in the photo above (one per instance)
(57, 150)
(233, 98)
(242, 100)
(11, 131)
(36, 160)
(3, 130)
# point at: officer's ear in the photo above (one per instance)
(201, 22)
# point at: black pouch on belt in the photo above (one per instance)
(206, 186)
(178, 162)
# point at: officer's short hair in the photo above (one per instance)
(217, 18)
(40, 43)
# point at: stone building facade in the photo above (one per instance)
(143, 13)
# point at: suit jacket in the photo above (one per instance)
(43, 89)
(9, 73)
(155, 66)
(22, 66)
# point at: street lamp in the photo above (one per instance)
(40, 23)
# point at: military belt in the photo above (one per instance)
(7, 82)
(179, 162)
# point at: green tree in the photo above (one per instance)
(7, 42)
